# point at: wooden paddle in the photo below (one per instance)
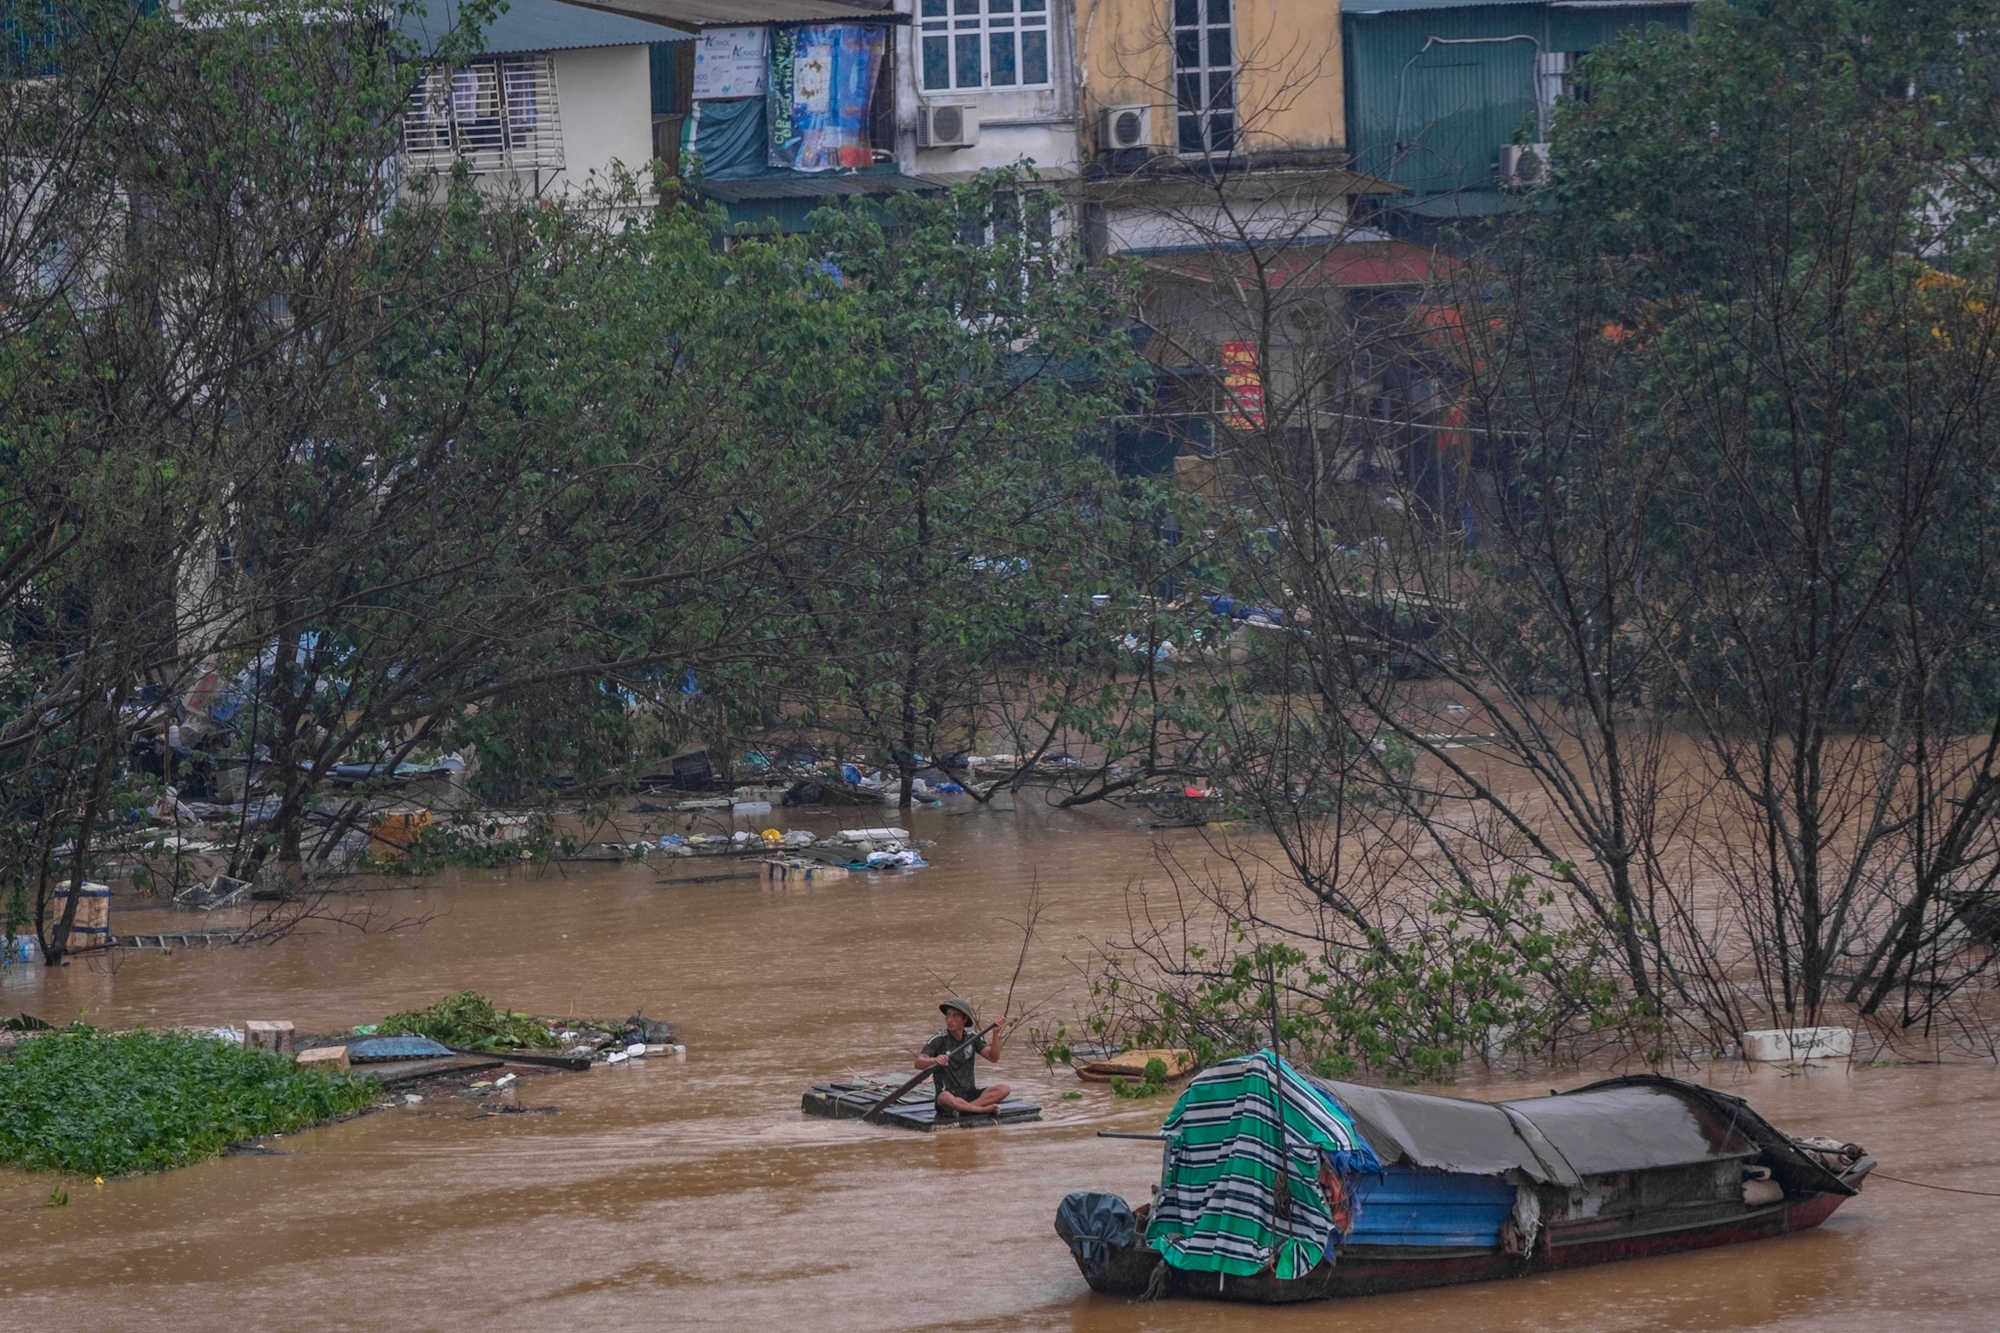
(923, 1074)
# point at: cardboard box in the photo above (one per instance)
(269, 1035)
(325, 1057)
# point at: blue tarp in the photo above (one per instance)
(729, 139)
(394, 1048)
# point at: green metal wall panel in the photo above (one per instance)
(1584, 29)
(1433, 93)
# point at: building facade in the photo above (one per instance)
(558, 101)
(1201, 79)
(1454, 99)
(999, 72)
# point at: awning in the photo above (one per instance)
(694, 15)
(536, 25)
(1162, 185)
(1360, 7)
(1461, 204)
(1345, 264)
(1038, 176)
(813, 185)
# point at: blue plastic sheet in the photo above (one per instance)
(728, 137)
(394, 1048)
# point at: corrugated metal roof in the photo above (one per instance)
(1040, 176)
(1347, 264)
(1462, 204)
(1399, 6)
(1404, 6)
(813, 186)
(694, 15)
(538, 25)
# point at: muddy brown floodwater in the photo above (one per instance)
(670, 1195)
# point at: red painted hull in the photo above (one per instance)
(1368, 1270)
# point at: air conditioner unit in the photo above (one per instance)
(1126, 128)
(947, 125)
(1524, 168)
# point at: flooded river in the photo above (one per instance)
(693, 1195)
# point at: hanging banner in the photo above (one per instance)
(1242, 387)
(731, 62)
(822, 85)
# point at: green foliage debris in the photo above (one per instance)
(1154, 1083)
(468, 1021)
(102, 1104)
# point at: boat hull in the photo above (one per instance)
(1369, 1270)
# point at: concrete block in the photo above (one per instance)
(324, 1057)
(269, 1035)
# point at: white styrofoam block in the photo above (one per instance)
(1780, 1044)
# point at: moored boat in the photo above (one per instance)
(1385, 1190)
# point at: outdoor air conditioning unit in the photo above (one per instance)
(947, 125)
(1126, 128)
(1524, 168)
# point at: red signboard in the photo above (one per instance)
(1243, 387)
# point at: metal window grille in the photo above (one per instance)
(496, 115)
(984, 44)
(1204, 76)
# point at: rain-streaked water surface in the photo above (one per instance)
(694, 1195)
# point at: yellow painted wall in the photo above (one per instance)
(1289, 89)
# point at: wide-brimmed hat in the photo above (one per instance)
(964, 1007)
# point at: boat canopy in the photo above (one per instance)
(1625, 1124)
(1446, 1133)
(1632, 1129)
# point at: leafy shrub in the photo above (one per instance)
(468, 1021)
(102, 1104)
(1154, 1083)
(1475, 973)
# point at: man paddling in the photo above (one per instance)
(948, 1056)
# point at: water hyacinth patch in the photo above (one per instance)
(115, 1104)
(468, 1021)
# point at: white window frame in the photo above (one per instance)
(496, 115)
(1204, 91)
(990, 23)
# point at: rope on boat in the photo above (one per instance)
(1926, 1185)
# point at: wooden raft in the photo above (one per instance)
(851, 1101)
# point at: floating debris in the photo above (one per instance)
(799, 869)
(1176, 1063)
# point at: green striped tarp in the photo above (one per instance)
(1217, 1210)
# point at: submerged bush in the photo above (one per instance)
(102, 1104)
(468, 1021)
